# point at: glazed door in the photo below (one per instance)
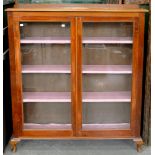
(47, 77)
(107, 77)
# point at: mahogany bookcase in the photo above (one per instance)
(76, 71)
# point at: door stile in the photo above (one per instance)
(140, 73)
(15, 74)
(79, 76)
(134, 75)
(73, 74)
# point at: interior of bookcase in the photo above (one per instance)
(106, 75)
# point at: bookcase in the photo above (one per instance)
(76, 71)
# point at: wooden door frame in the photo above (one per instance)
(76, 47)
(15, 74)
(137, 67)
(14, 18)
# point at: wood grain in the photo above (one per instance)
(47, 133)
(140, 74)
(79, 76)
(28, 16)
(77, 8)
(15, 69)
(73, 74)
(138, 48)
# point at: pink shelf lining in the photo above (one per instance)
(45, 40)
(107, 96)
(46, 97)
(66, 40)
(109, 69)
(46, 69)
(124, 96)
(105, 126)
(87, 69)
(107, 40)
(53, 126)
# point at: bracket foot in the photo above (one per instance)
(139, 143)
(13, 143)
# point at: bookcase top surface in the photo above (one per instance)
(76, 8)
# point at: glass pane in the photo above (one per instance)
(46, 75)
(107, 29)
(45, 29)
(96, 113)
(45, 54)
(110, 115)
(46, 82)
(47, 115)
(107, 54)
(106, 82)
(106, 75)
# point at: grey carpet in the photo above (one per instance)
(71, 147)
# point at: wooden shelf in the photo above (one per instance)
(46, 97)
(86, 40)
(105, 126)
(87, 97)
(86, 69)
(107, 40)
(107, 69)
(46, 69)
(124, 96)
(112, 8)
(51, 126)
(45, 40)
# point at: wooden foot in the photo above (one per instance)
(13, 144)
(139, 143)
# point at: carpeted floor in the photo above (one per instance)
(83, 147)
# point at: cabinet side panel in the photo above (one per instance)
(15, 72)
(137, 75)
(140, 73)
